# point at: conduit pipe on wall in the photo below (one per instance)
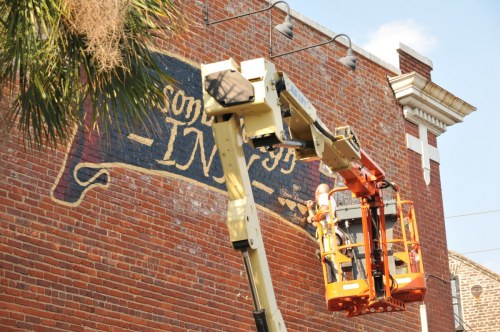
(423, 318)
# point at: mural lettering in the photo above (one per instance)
(181, 144)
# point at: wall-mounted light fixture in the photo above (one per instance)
(286, 28)
(349, 59)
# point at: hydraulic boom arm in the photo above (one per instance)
(264, 100)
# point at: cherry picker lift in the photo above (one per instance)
(264, 100)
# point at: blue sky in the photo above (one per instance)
(461, 38)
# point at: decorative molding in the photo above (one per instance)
(419, 117)
(431, 108)
(426, 103)
(421, 146)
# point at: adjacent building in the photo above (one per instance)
(475, 292)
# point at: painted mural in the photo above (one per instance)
(181, 144)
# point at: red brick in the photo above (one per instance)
(129, 258)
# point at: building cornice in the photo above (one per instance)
(426, 103)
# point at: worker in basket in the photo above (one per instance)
(319, 216)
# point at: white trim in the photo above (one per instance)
(424, 102)
(431, 108)
(421, 146)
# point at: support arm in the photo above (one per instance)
(243, 223)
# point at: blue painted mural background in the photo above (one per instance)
(181, 143)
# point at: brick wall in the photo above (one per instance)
(479, 309)
(432, 233)
(145, 247)
(409, 63)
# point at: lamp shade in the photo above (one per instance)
(349, 60)
(286, 28)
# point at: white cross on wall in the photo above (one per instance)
(421, 146)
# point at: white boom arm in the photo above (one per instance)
(264, 100)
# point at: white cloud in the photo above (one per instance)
(384, 42)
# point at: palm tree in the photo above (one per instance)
(60, 57)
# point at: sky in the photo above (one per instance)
(462, 39)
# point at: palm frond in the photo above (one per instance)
(52, 74)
